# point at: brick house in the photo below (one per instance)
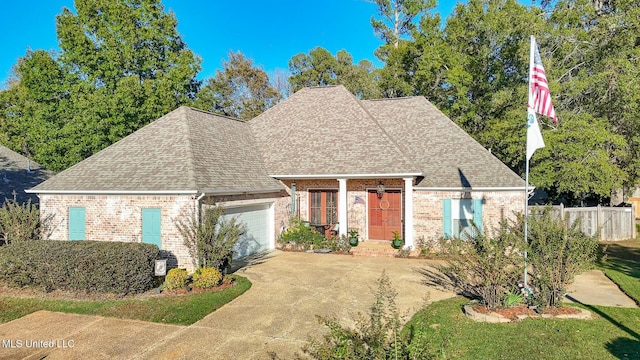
(377, 166)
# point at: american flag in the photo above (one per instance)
(539, 95)
(358, 200)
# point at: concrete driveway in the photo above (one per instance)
(277, 315)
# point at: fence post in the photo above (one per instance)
(561, 211)
(634, 232)
(599, 222)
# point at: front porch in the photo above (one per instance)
(374, 207)
(377, 248)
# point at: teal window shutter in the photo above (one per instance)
(151, 225)
(77, 223)
(447, 232)
(477, 213)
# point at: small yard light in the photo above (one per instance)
(380, 190)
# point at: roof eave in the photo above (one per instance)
(471, 188)
(112, 192)
(346, 176)
(242, 191)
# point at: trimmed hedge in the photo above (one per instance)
(92, 266)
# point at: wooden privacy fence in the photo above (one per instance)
(613, 223)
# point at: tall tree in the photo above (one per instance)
(395, 25)
(239, 90)
(476, 70)
(397, 18)
(121, 65)
(320, 68)
(35, 108)
(597, 50)
(133, 63)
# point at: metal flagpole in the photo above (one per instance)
(526, 217)
(539, 102)
(526, 183)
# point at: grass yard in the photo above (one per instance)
(622, 265)
(179, 309)
(614, 334)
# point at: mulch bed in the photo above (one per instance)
(196, 291)
(513, 312)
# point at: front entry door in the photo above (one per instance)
(385, 214)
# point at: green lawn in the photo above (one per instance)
(614, 334)
(180, 309)
(622, 265)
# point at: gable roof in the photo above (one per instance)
(18, 173)
(447, 155)
(187, 150)
(325, 131)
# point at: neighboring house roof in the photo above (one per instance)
(19, 174)
(446, 154)
(326, 131)
(187, 150)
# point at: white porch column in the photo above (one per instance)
(408, 213)
(342, 207)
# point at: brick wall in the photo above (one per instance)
(427, 206)
(119, 218)
(356, 212)
(496, 206)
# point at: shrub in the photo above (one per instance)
(557, 253)
(485, 267)
(336, 243)
(80, 265)
(511, 299)
(211, 239)
(176, 279)
(20, 222)
(227, 280)
(375, 337)
(427, 247)
(206, 278)
(301, 236)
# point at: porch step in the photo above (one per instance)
(374, 249)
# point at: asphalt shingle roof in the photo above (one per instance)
(319, 131)
(185, 150)
(14, 176)
(325, 131)
(446, 154)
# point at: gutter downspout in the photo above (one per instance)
(293, 199)
(197, 207)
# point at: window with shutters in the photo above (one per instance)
(459, 216)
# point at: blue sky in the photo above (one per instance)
(269, 32)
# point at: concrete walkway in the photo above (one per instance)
(277, 315)
(594, 288)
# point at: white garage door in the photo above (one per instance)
(257, 236)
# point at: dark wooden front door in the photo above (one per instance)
(385, 214)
